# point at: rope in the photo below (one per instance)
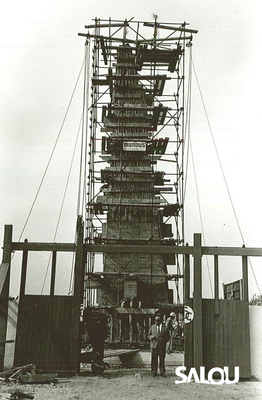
(188, 119)
(218, 157)
(223, 174)
(79, 207)
(85, 134)
(200, 212)
(52, 153)
(63, 200)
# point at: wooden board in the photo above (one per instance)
(226, 336)
(11, 333)
(44, 333)
(4, 268)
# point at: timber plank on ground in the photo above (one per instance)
(88, 356)
(119, 352)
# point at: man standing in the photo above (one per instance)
(158, 336)
(171, 325)
(98, 335)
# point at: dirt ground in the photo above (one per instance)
(127, 384)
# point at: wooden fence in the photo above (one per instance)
(195, 332)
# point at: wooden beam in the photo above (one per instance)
(232, 251)
(23, 273)
(139, 249)
(216, 285)
(164, 40)
(216, 277)
(139, 77)
(106, 25)
(7, 251)
(114, 39)
(147, 249)
(103, 51)
(187, 278)
(53, 274)
(133, 274)
(245, 278)
(36, 246)
(75, 345)
(172, 28)
(4, 268)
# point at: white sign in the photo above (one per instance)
(134, 146)
(188, 314)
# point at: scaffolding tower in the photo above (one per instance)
(135, 143)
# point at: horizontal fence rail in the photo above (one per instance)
(145, 249)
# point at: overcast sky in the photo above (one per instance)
(41, 56)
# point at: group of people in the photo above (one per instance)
(160, 335)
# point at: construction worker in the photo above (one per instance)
(171, 325)
(97, 337)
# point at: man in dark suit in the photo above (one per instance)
(158, 335)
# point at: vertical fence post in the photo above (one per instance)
(75, 345)
(7, 249)
(23, 273)
(245, 278)
(188, 328)
(216, 285)
(216, 279)
(53, 274)
(187, 279)
(246, 368)
(197, 303)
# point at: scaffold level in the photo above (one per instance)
(135, 115)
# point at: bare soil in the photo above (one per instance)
(127, 384)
